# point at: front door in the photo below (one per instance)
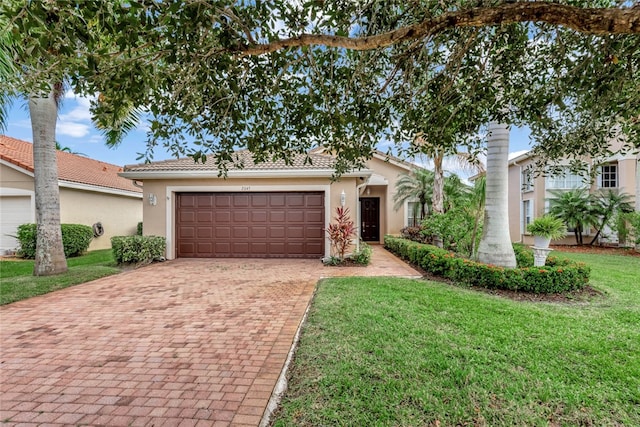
(370, 219)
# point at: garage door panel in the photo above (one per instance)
(295, 232)
(295, 200)
(262, 225)
(314, 216)
(240, 216)
(204, 216)
(187, 232)
(259, 232)
(223, 232)
(295, 216)
(277, 248)
(277, 232)
(259, 216)
(204, 201)
(186, 216)
(277, 216)
(314, 233)
(222, 216)
(222, 200)
(315, 200)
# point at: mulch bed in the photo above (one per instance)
(581, 296)
(601, 250)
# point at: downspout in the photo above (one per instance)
(522, 225)
(358, 214)
(135, 183)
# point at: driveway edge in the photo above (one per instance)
(281, 385)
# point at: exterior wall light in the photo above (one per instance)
(153, 200)
(343, 198)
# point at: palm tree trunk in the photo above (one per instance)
(437, 198)
(50, 257)
(495, 246)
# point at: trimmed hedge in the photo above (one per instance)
(75, 239)
(137, 249)
(558, 275)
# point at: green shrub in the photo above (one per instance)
(139, 229)
(453, 228)
(558, 275)
(75, 239)
(137, 249)
(524, 255)
(363, 255)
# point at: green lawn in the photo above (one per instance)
(17, 281)
(400, 352)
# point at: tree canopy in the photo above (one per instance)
(282, 77)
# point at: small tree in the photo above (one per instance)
(606, 205)
(341, 232)
(574, 208)
(418, 185)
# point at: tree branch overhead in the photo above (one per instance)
(584, 20)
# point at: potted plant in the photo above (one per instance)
(545, 229)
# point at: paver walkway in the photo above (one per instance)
(187, 342)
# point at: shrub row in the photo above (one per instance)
(75, 239)
(137, 249)
(558, 275)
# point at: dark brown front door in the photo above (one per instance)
(254, 225)
(370, 219)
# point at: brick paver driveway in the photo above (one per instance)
(187, 342)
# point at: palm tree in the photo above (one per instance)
(574, 208)
(605, 205)
(417, 185)
(495, 246)
(455, 193)
(438, 155)
(59, 147)
(43, 109)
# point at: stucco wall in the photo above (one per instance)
(391, 220)
(159, 220)
(11, 178)
(119, 215)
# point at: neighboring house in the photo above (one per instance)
(529, 195)
(265, 210)
(90, 192)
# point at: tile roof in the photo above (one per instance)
(71, 167)
(311, 161)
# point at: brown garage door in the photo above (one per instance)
(254, 225)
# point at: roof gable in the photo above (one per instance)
(71, 167)
(244, 162)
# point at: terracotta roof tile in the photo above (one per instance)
(244, 157)
(71, 167)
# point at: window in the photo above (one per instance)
(413, 214)
(527, 214)
(608, 177)
(527, 180)
(565, 179)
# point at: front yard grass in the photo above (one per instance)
(17, 281)
(392, 351)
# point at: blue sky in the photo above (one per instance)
(74, 130)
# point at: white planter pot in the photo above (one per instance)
(541, 242)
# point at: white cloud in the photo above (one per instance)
(81, 111)
(95, 139)
(72, 129)
(143, 126)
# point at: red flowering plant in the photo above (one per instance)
(341, 233)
